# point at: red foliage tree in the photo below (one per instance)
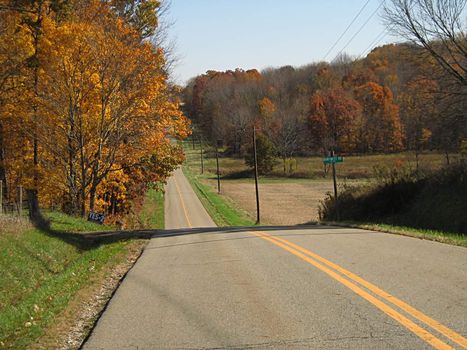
(334, 120)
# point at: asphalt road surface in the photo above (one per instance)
(201, 287)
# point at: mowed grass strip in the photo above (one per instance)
(222, 210)
(42, 273)
(151, 214)
(432, 235)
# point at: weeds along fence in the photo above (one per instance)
(14, 205)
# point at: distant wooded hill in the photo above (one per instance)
(397, 98)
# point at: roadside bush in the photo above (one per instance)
(437, 201)
(266, 155)
(370, 203)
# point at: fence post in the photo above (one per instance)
(20, 199)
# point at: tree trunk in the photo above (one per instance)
(92, 197)
(2, 165)
(33, 193)
(72, 190)
(82, 162)
(83, 202)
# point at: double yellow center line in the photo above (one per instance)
(182, 203)
(355, 283)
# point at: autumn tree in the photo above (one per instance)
(380, 129)
(374, 99)
(288, 91)
(89, 124)
(334, 120)
(15, 49)
(419, 113)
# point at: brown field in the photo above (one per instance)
(282, 203)
(293, 198)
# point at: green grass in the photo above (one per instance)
(221, 209)
(42, 273)
(66, 223)
(152, 213)
(353, 167)
(432, 235)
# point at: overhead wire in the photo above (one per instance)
(346, 29)
(380, 36)
(375, 41)
(360, 29)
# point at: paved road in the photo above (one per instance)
(202, 287)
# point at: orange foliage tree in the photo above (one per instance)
(380, 129)
(103, 113)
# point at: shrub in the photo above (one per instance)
(436, 201)
(266, 155)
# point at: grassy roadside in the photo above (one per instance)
(51, 289)
(222, 210)
(432, 235)
(42, 273)
(150, 214)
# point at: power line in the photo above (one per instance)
(360, 29)
(346, 29)
(380, 36)
(376, 41)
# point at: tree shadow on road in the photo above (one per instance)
(91, 240)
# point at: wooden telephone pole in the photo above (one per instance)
(256, 176)
(218, 144)
(201, 153)
(336, 201)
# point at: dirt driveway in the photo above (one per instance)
(282, 203)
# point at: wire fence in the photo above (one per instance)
(14, 205)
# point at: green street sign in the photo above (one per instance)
(331, 160)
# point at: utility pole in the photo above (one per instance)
(256, 176)
(201, 153)
(336, 201)
(218, 144)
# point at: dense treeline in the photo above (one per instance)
(396, 98)
(86, 109)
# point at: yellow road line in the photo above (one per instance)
(419, 331)
(182, 202)
(457, 338)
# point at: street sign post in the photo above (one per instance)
(333, 160)
(201, 153)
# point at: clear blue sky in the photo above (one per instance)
(229, 34)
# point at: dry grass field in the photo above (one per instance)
(282, 203)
